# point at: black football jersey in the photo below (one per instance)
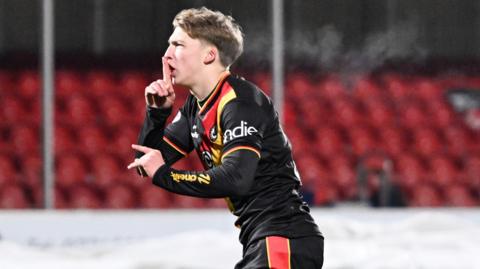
(246, 155)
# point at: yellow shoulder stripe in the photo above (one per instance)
(225, 99)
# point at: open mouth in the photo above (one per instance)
(172, 73)
(172, 69)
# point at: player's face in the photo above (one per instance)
(185, 57)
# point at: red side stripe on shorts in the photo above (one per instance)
(278, 252)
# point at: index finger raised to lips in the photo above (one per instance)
(167, 73)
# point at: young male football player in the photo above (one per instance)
(234, 128)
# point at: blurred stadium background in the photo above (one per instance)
(381, 99)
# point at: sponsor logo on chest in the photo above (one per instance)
(239, 131)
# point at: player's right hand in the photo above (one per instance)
(160, 93)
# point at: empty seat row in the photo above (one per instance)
(332, 122)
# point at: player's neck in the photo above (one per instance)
(207, 83)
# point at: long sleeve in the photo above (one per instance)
(155, 135)
(233, 178)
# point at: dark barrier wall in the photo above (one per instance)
(315, 29)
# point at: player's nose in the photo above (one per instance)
(169, 52)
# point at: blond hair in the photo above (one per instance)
(214, 27)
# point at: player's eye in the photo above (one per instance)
(176, 44)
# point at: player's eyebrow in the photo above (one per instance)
(174, 42)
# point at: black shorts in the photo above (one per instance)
(282, 253)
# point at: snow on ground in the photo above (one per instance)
(354, 239)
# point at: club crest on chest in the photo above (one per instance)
(213, 134)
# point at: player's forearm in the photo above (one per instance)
(152, 131)
(153, 126)
(233, 178)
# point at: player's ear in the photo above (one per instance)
(211, 55)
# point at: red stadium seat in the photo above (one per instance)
(123, 138)
(29, 85)
(35, 111)
(460, 196)
(443, 171)
(329, 141)
(13, 196)
(393, 140)
(347, 112)
(472, 81)
(5, 147)
(132, 178)
(153, 197)
(362, 140)
(366, 88)
(343, 172)
(426, 89)
(376, 161)
(31, 168)
(92, 140)
(65, 139)
(13, 110)
(105, 170)
(71, 169)
(101, 84)
(80, 110)
(25, 140)
(299, 87)
(426, 196)
(83, 196)
(139, 109)
(114, 112)
(332, 88)
(68, 83)
(459, 139)
(472, 171)
(410, 169)
(312, 113)
(413, 114)
(379, 112)
(396, 86)
(440, 114)
(426, 141)
(299, 140)
(325, 194)
(290, 115)
(120, 196)
(132, 84)
(8, 171)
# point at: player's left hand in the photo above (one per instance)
(150, 162)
